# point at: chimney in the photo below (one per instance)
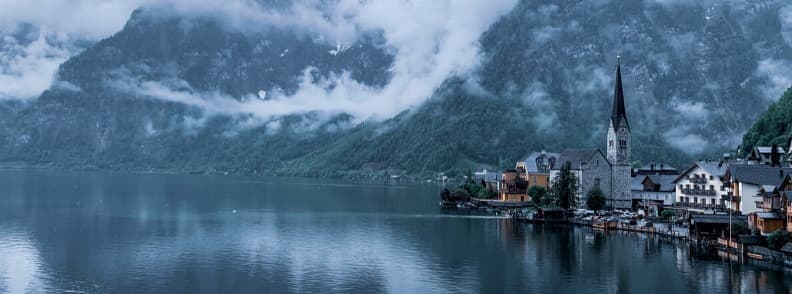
(661, 166)
(652, 165)
(543, 152)
(775, 158)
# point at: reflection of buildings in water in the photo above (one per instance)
(20, 262)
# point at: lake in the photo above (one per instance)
(94, 232)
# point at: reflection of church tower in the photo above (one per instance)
(619, 145)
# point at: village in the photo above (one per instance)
(739, 204)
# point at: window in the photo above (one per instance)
(687, 186)
(622, 143)
(712, 187)
(712, 201)
(610, 143)
(534, 179)
(711, 178)
(597, 182)
(681, 187)
(695, 199)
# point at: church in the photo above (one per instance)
(610, 171)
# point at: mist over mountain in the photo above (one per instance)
(336, 88)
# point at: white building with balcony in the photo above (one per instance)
(701, 187)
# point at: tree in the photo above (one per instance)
(445, 195)
(461, 194)
(777, 239)
(739, 228)
(537, 194)
(564, 187)
(595, 199)
(667, 214)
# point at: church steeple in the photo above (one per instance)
(619, 111)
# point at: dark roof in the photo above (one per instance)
(576, 156)
(666, 182)
(717, 218)
(758, 174)
(619, 111)
(787, 248)
(769, 215)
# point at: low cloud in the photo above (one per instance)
(430, 41)
(777, 76)
(27, 67)
(684, 140)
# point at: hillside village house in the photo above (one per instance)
(744, 182)
(611, 172)
(701, 188)
(763, 155)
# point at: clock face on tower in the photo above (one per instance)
(622, 130)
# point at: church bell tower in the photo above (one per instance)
(620, 146)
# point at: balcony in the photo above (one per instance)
(699, 192)
(700, 206)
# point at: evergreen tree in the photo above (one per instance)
(537, 194)
(564, 187)
(595, 199)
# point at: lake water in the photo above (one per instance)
(108, 232)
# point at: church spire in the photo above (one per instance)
(619, 112)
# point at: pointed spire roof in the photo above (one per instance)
(619, 111)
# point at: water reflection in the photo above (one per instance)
(20, 264)
(144, 233)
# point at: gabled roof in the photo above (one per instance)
(666, 182)
(758, 174)
(714, 168)
(577, 156)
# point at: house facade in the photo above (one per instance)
(701, 187)
(514, 185)
(748, 182)
(653, 190)
(538, 166)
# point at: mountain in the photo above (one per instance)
(137, 100)
(774, 126)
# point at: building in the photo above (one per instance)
(764, 155)
(514, 185)
(538, 166)
(619, 147)
(591, 169)
(744, 182)
(490, 179)
(654, 191)
(652, 186)
(701, 187)
(610, 171)
(712, 226)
